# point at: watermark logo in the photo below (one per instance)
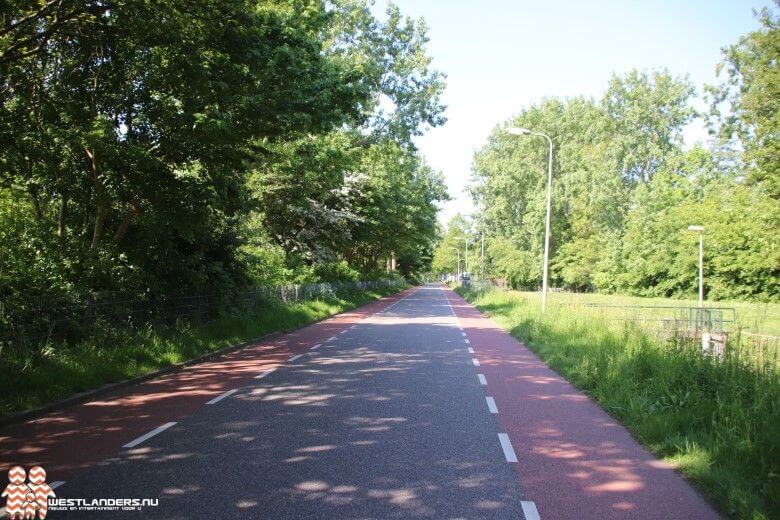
(27, 500)
(28, 497)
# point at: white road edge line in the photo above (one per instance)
(147, 436)
(315, 347)
(475, 361)
(261, 376)
(221, 397)
(471, 350)
(529, 510)
(294, 358)
(491, 404)
(509, 452)
(482, 379)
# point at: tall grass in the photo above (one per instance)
(716, 420)
(57, 370)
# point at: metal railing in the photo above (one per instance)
(718, 319)
(684, 323)
(36, 320)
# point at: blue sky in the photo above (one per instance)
(501, 56)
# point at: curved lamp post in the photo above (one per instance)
(524, 131)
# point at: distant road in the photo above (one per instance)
(415, 406)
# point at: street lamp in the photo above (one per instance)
(467, 251)
(482, 265)
(457, 250)
(524, 131)
(700, 229)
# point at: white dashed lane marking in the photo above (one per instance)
(261, 376)
(471, 350)
(529, 510)
(491, 404)
(221, 397)
(467, 341)
(294, 358)
(509, 452)
(482, 379)
(56, 484)
(147, 436)
(475, 361)
(315, 347)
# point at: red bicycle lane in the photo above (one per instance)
(85, 434)
(574, 460)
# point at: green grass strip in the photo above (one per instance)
(59, 370)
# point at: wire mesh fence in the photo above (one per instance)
(674, 324)
(667, 318)
(33, 320)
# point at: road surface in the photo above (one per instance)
(416, 406)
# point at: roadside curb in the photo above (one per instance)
(87, 395)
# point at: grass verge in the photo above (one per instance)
(717, 421)
(59, 370)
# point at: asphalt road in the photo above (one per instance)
(387, 419)
(413, 406)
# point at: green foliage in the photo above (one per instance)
(231, 142)
(361, 192)
(337, 272)
(339, 196)
(624, 193)
(716, 421)
(646, 114)
(744, 111)
(742, 248)
(452, 247)
(519, 268)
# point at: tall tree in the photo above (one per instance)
(451, 247)
(362, 192)
(624, 192)
(744, 107)
(130, 141)
(648, 112)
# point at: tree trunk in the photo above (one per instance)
(130, 214)
(62, 217)
(86, 203)
(33, 190)
(101, 213)
(100, 224)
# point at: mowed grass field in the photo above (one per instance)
(754, 317)
(716, 420)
